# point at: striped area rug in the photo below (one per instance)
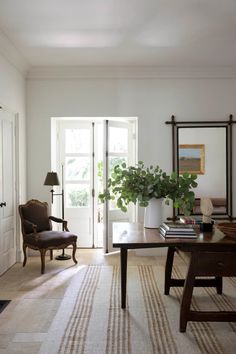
(90, 320)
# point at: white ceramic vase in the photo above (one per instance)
(153, 213)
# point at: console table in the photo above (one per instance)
(211, 254)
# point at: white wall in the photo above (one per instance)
(12, 98)
(153, 101)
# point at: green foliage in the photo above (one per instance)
(112, 163)
(138, 184)
(79, 198)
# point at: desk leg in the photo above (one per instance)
(168, 269)
(123, 265)
(219, 285)
(187, 295)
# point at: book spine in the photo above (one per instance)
(179, 236)
(169, 234)
(177, 229)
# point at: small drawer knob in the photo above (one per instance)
(220, 264)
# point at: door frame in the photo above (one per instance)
(16, 183)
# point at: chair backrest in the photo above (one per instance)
(34, 212)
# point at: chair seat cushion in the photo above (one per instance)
(46, 239)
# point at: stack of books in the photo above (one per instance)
(173, 230)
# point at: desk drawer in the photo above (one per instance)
(214, 263)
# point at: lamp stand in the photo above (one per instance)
(62, 256)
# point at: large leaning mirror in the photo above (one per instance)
(205, 148)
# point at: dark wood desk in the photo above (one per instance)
(211, 254)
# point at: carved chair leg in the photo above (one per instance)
(25, 255)
(51, 255)
(73, 253)
(42, 254)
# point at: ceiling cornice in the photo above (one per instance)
(12, 55)
(128, 72)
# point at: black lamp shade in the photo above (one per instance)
(51, 179)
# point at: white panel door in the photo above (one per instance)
(7, 192)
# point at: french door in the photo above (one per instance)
(87, 151)
(7, 191)
(76, 157)
(120, 138)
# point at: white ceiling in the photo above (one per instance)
(122, 32)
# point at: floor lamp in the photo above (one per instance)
(52, 180)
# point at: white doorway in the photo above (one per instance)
(86, 150)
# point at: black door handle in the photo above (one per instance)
(3, 204)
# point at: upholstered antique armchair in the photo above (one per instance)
(36, 225)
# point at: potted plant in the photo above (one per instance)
(143, 185)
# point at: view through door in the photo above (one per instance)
(88, 149)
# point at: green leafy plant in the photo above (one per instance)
(79, 198)
(139, 184)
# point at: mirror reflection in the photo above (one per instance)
(203, 150)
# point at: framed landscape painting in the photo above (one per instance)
(192, 158)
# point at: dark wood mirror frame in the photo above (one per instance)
(228, 214)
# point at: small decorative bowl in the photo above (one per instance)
(228, 228)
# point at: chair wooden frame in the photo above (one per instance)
(63, 238)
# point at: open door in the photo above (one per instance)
(120, 138)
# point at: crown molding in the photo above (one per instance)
(130, 72)
(12, 55)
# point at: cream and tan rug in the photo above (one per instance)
(90, 320)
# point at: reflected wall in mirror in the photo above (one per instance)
(205, 148)
(205, 155)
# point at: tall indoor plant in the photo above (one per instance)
(140, 184)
